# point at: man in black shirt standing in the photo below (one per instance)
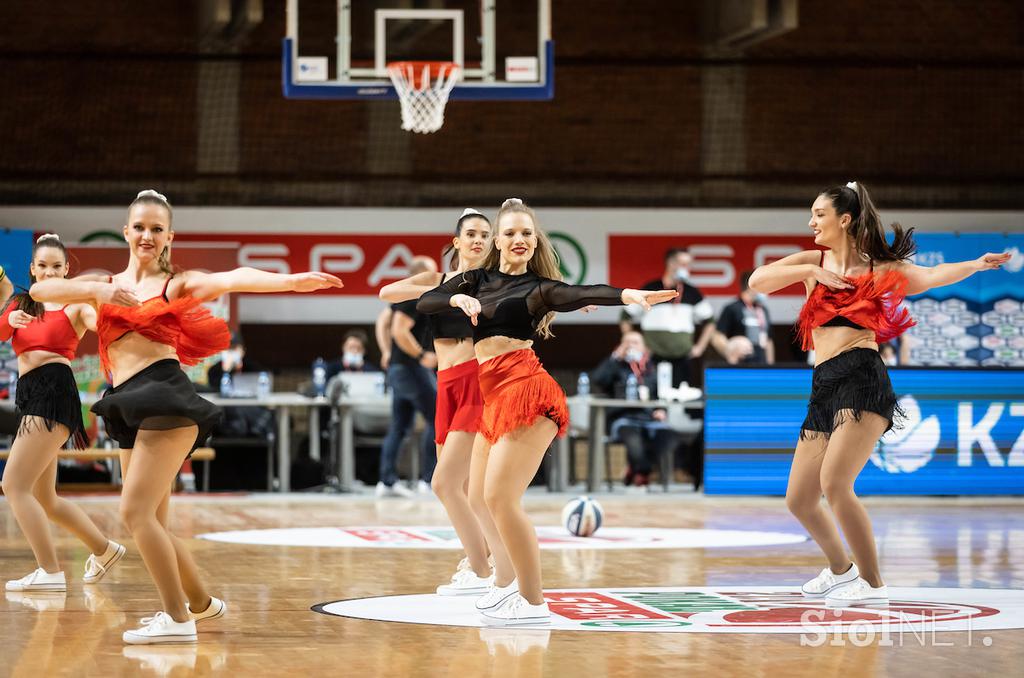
(413, 389)
(743, 332)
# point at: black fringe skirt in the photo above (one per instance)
(847, 386)
(160, 397)
(50, 393)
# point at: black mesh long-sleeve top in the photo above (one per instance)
(513, 305)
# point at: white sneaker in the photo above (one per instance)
(97, 566)
(396, 490)
(161, 628)
(496, 595)
(39, 580)
(217, 609)
(465, 582)
(858, 593)
(828, 581)
(423, 487)
(516, 610)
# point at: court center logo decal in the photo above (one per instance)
(550, 537)
(750, 609)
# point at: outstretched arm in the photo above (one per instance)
(75, 291)
(561, 297)
(923, 278)
(412, 287)
(208, 286)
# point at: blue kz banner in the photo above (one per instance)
(964, 432)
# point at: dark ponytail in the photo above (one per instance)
(467, 214)
(24, 301)
(866, 227)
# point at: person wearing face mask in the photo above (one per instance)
(353, 355)
(643, 432)
(746, 317)
(669, 329)
(232, 361)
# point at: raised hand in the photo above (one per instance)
(117, 294)
(648, 298)
(19, 319)
(991, 262)
(469, 305)
(315, 280)
(832, 280)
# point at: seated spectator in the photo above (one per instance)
(644, 432)
(353, 355)
(743, 332)
(232, 361)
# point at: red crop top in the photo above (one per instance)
(183, 324)
(53, 333)
(873, 303)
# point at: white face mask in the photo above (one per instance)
(634, 355)
(761, 299)
(352, 359)
(682, 274)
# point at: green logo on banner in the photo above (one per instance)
(572, 259)
(684, 601)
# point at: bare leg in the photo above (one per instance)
(198, 598)
(155, 460)
(803, 499)
(848, 451)
(450, 482)
(513, 463)
(504, 573)
(30, 455)
(67, 514)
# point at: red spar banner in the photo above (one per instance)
(718, 260)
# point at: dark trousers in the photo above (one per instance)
(413, 389)
(644, 446)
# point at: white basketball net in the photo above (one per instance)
(422, 97)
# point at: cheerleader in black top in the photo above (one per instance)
(509, 299)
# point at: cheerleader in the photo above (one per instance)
(151, 321)
(855, 286)
(45, 338)
(459, 409)
(512, 297)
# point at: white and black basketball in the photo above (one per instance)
(582, 516)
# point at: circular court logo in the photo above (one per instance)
(752, 609)
(550, 537)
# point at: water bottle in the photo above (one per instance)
(12, 385)
(583, 385)
(225, 385)
(319, 377)
(382, 388)
(632, 387)
(664, 379)
(263, 386)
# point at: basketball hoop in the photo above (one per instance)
(423, 88)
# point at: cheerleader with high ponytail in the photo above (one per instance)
(45, 338)
(151, 321)
(855, 288)
(510, 299)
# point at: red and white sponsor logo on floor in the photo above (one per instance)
(723, 609)
(420, 537)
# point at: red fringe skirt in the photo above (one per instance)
(460, 406)
(517, 390)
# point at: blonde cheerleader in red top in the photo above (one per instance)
(855, 287)
(45, 337)
(150, 321)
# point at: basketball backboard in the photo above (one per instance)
(340, 49)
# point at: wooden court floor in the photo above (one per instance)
(271, 630)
